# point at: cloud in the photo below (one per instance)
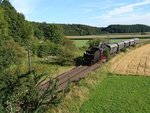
(24, 6)
(125, 9)
(130, 19)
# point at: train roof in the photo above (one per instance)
(126, 41)
(119, 43)
(112, 45)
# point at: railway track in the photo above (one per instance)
(73, 75)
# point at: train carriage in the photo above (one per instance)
(136, 40)
(127, 43)
(112, 48)
(121, 45)
(132, 42)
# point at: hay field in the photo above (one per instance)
(135, 62)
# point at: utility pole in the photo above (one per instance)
(29, 60)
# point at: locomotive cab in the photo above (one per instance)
(92, 56)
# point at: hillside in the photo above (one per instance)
(81, 30)
(29, 55)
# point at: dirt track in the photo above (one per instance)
(135, 62)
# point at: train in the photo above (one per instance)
(96, 54)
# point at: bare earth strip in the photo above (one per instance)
(135, 62)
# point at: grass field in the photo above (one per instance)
(82, 43)
(120, 94)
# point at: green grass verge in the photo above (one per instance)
(120, 94)
(80, 43)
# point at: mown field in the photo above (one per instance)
(120, 94)
(119, 35)
(135, 62)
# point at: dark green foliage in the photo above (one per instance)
(51, 32)
(127, 28)
(46, 48)
(21, 93)
(80, 30)
(10, 53)
(66, 57)
(107, 54)
(16, 27)
(124, 50)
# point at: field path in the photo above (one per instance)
(135, 62)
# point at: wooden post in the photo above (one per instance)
(29, 60)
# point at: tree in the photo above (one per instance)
(21, 93)
(96, 42)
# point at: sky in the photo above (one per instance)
(100, 13)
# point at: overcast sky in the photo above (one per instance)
(91, 12)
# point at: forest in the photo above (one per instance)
(81, 30)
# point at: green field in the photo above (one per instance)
(120, 94)
(82, 43)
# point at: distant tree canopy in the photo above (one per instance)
(51, 32)
(127, 28)
(80, 30)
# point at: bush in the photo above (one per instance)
(66, 57)
(46, 48)
(107, 54)
(124, 50)
(10, 53)
(96, 42)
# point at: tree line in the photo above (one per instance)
(81, 30)
(127, 28)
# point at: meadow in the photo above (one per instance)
(83, 42)
(120, 94)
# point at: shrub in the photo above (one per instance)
(107, 54)
(96, 42)
(66, 57)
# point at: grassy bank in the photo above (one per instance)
(80, 93)
(120, 94)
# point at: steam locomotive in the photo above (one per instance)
(96, 54)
